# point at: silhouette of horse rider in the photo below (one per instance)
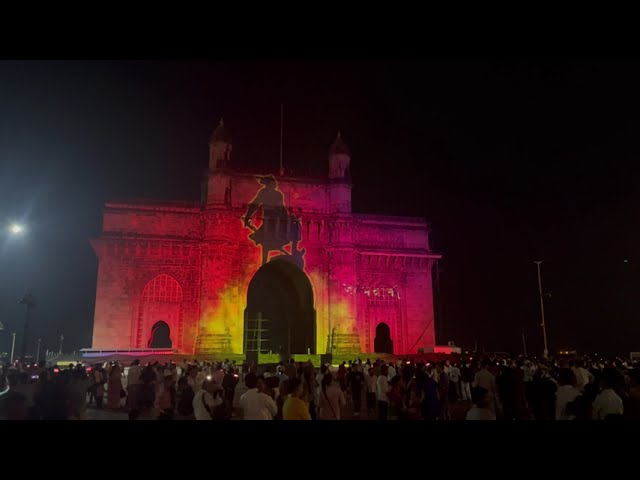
(278, 228)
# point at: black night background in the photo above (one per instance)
(509, 162)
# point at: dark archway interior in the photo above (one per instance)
(281, 293)
(160, 336)
(383, 343)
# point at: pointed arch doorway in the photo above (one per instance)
(160, 335)
(280, 306)
(383, 343)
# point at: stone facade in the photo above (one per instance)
(190, 265)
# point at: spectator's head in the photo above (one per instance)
(209, 386)
(284, 388)
(609, 378)
(480, 397)
(272, 382)
(327, 380)
(485, 363)
(15, 406)
(384, 370)
(295, 387)
(566, 377)
(251, 380)
(169, 381)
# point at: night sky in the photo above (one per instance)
(509, 162)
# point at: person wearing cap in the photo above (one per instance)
(206, 400)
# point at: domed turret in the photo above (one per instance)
(220, 147)
(339, 159)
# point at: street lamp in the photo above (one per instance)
(545, 354)
(16, 229)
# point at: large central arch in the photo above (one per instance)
(280, 293)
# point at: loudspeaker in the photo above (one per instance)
(326, 358)
(251, 357)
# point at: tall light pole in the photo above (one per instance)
(13, 346)
(29, 301)
(38, 351)
(545, 354)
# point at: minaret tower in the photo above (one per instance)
(339, 160)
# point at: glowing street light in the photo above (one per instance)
(16, 229)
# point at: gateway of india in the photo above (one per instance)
(269, 264)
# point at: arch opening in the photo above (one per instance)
(160, 335)
(383, 343)
(280, 317)
(160, 313)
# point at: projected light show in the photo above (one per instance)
(268, 262)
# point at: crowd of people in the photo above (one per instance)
(492, 388)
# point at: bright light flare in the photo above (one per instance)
(16, 229)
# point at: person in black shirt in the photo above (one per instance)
(229, 382)
(356, 380)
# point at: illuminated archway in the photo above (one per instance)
(161, 303)
(280, 294)
(383, 343)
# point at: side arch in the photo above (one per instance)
(161, 301)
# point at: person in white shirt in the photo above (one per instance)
(218, 375)
(392, 372)
(206, 399)
(481, 409)
(565, 394)
(454, 377)
(323, 371)
(607, 402)
(331, 399)
(382, 387)
(485, 379)
(255, 404)
(134, 383)
(194, 379)
(583, 376)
